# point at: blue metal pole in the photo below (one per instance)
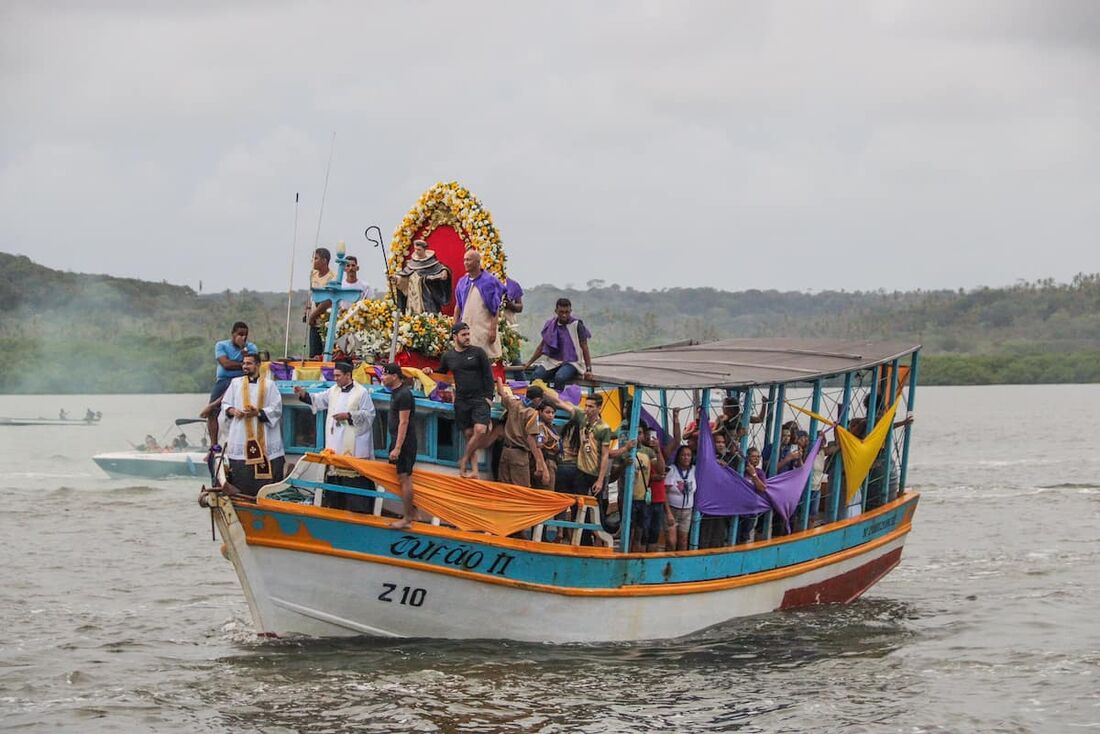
(627, 500)
(887, 460)
(909, 409)
(773, 458)
(696, 516)
(838, 463)
(816, 408)
(872, 414)
(746, 418)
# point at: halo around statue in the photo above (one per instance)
(450, 219)
(450, 204)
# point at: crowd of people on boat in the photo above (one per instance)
(529, 444)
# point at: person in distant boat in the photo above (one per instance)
(151, 443)
(478, 297)
(473, 377)
(321, 276)
(180, 442)
(62, 415)
(349, 425)
(423, 284)
(228, 355)
(402, 438)
(251, 412)
(521, 439)
(557, 358)
(89, 415)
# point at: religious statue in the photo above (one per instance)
(424, 283)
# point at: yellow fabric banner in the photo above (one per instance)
(307, 373)
(468, 504)
(858, 454)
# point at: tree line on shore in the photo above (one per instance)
(78, 333)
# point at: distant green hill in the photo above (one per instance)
(69, 332)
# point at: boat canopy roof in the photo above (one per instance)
(742, 362)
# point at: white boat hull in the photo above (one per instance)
(153, 464)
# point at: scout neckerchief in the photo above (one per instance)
(255, 443)
(589, 458)
(355, 394)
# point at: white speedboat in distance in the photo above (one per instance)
(164, 464)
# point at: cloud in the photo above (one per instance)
(785, 145)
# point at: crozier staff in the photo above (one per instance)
(250, 415)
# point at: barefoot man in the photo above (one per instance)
(402, 438)
(474, 390)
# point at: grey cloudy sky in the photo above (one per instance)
(786, 145)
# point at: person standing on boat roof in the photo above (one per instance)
(402, 438)
(251, 413)
(228, 355)
(349, 425)
(473, 375)
(564, 343)
(478, 297)
(321, 276)
(512, 305)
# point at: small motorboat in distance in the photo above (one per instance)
(179, 458)
(90, 418)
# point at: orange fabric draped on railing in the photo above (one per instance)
(468, 504)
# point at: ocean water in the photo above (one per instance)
(117, 612)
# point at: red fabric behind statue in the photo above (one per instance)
(449, 248)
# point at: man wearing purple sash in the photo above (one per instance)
(478, 298)
(564, 342)
(513, 301)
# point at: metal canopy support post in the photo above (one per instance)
(872, 414)
(837, 483)
(908, 426)
(702, 424)
(626, 502)
(816, 408)
(888, 458)
(773, 457)
(746, 417)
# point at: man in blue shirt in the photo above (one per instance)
(228, 354)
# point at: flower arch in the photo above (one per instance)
(450, 204)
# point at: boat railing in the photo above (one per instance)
(585, 516)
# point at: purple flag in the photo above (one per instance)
(654, 425)
(722, 491)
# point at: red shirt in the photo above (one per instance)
(657, 491)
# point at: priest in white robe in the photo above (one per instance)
(349, 429)
(250, 419)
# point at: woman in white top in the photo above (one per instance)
(680, 486)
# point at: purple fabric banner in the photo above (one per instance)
(655, 425)
(722, 491)
(492, 291)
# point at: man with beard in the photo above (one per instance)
(250, 414)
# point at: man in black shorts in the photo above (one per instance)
(402, 438)
(473, 374)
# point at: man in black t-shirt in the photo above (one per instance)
(402, 438)
(473, 375)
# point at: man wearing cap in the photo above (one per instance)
(473, 377)
(521, 439)
(402, 438)
(349, 425)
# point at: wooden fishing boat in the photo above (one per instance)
(480, 564)
(310, 570)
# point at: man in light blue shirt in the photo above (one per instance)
(228, 354)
